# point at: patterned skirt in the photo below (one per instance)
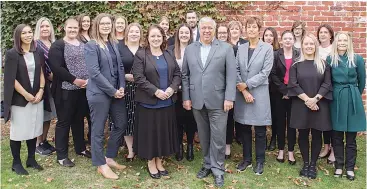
(130, 107)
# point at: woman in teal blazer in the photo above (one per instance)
(347, 113)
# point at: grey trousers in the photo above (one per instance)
(100, 107)
(212, 127)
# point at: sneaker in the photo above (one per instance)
(259, 168)
(243, 165)
(48, 146)
(40, 150)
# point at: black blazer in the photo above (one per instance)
(59, 69)
(146, 75)
(278, 71)
(16, 69)
(240, 42)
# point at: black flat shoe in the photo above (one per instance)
(338, 175)
(350, 177)
(19, 169)
(190, 152)
(292, 162)
(280, 160)
(312, 172)
(129, 159)
(304, 170)
(227, 156)
(154, 176)
(163, 173)
(243, 165)
(204, 172)
(66, 163)
(219, 181)
(33, 163)
(86, 154)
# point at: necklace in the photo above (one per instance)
(157, 57)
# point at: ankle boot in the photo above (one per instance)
(272, 144)
(18, 168)
(179, 154)
(190, 152)
(31, 162)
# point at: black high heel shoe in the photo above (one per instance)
(190, 152)
(304, 170)
(292, 162)
(19, 169)
(179, 154)
(154, 176)
(330, 162)
(312, 172)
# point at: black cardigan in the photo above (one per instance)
(59, 68)
(16, 69)
(146, 76)
(278, 71)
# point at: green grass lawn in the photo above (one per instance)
(183, 173)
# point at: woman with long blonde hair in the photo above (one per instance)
(310, 89)
(348, 117)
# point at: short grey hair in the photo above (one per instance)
(207, 19)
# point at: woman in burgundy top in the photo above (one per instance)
(283, 59)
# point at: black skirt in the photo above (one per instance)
(155, 132)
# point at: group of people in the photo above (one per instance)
(204, 78)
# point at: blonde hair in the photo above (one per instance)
(334, 55)
(122, 17)
(319, 63)
(127, 29)
(51, 38)
(95, 30)
(232, 24)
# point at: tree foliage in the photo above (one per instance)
(145, 13)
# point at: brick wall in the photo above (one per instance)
(341, 15)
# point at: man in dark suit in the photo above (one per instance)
(192, 21)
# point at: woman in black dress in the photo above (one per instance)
(310, 88)
(157, 76)
(120, 26)
(271, 36)
(128, 48)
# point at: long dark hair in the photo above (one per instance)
(275, 35)
(164, 42)
(177, 40)
(79, 18)
(18, 41)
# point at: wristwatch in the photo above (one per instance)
(318, 98)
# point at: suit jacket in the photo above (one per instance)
(278, 71)
(100, 69)
(215, 82)
(146, 75)
(16, 69)
(255, 74)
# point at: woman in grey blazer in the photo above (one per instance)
(252, 107)
(105, 92)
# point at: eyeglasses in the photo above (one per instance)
(105, 23)
(222, 33)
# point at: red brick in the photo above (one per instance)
(259, 2)
(294, 17)
(328, 2)
(322, 8)
(300, 3)
(314, 13)
(271, 24)
(314, 3)
(327, 13)
(339, 24)
(306, 8)
(359, 29)
(289, 24)
(359, 50)
(363, 3)
(334, 18)
(355, 8)
(306, 18)
(288, 3)
(268, 18)
(313, 24)
(320, 18)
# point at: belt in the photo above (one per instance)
(341, 87)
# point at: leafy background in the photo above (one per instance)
(145, 13)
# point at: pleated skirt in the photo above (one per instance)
(155, 132)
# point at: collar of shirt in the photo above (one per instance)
(204, 45)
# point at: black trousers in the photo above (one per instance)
(15, 150)
(274, 129)
(350, 150)
(304, 144)
(70, 114)
(230, 127)
(245, 132)
(185, 121)
(327, 137)
(282, 116)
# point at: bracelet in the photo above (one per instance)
(42, 88)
